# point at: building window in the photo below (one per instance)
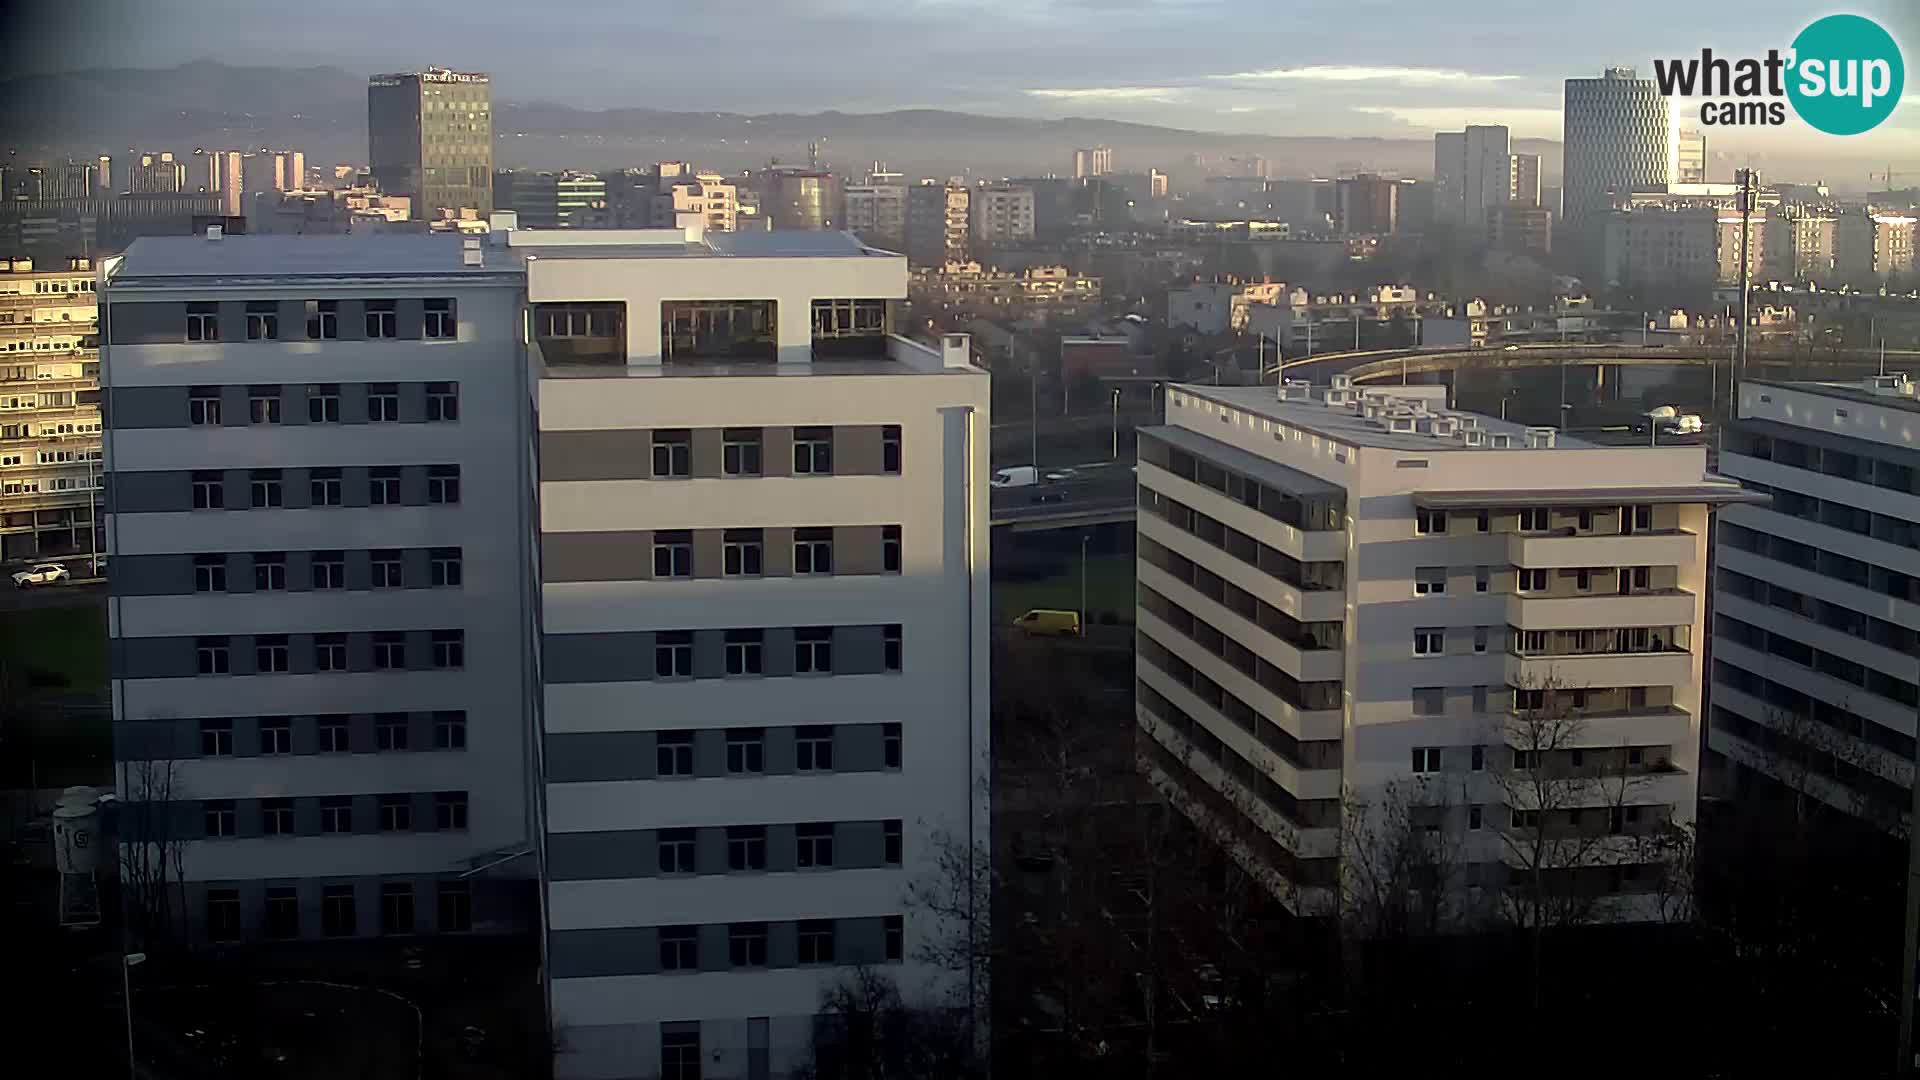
(672, 454)
(444, 567)
(746, 751)
(895, 929)
(679, 948)
(336, 814)
(439, 319)
(1429, 700)
(396, 813)
(892, 841)
(1479, 761)
(335, 735)
(1642, 518)
(740, 553)
(203, 322)
(323, 404)
(813, 451)
(443, 402)
(745, 650)
(264, 488)
(815, 840)
(337, 911)
(449, 648)
(1534, 519)
(223, 914)
(746, 847)
(890, 449)
(1480, 635)
(673, 554)
(890, 745)
(813, 748)
(390, 731)
(276, 817)
(383, 403)
(1529, 581)
(813, 650)
(396, 908)
(747, 945)
(673, 654)
(680, 1053)
(209, 573)
(1483, 521)
(1474, 818)
(220, 818)
(1429, 522)
(1482, 578)
(383, 319)
(740, 452)
(330, 652)
(211, 653)
(890, 548)
(816, 941)
(389, 651)
(813, 551)
(383, 486)
(443, 484)
(203, 406)
(216, 737)
(323, 319)
(386, 568)
(263, 405)
(890, 646)
(1429, 580)
(324, 487)
(673, 753)
(449, 730)
(450, 811)
(1526, 760)
(269, 571)
(208, 491)
(456, 907)
(1426, 759)
(283, 913)
(676, 851)
(276, 735)
(1429, 641)
(1529, 700)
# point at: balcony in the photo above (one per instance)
(1667, 666)
(1660, 607)
(1566, 548)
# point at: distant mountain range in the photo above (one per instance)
(323, 111)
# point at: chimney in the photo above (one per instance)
(215, 232)
(956, 350)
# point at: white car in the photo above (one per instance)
(41, 574)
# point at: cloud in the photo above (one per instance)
(1339, 73)
(1108, 93)
(1282, 107)
(1527, 123)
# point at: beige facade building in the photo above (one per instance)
(50, 466)
(1001, 214)
(708, 197)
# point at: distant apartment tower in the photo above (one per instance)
(226, 178)
(1680, 245)
(1817, 605)
(1092, 161)
(1870, 246)
(1617, 136)
(1800, 243)
(1523, 179)
(158, 174)
(50, 464)
(321, 579)
(937, 222)
(430, 137)
(706, 197)
(1001, 214)
(1472, 172)
(877, 213)
(1690, 161)
(1343, 589)
(1520, 230)
(1366, 204)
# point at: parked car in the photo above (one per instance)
(40, 574)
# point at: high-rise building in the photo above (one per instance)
(226, 178)
(801, 199)
(1679, 245)
(50, 468)
(158, 174)
(706, 197)
(1475, 170)
(1869, 246)
(1450, 177)
(1520, 229)
(103, 174)
(937, 222)
(1800, 243)
(1817, 605)
(877, 213)
(1001, 214)
(430, 137)
(1365, 204)
(1690, 160)
(1523, 185)
(1092, 161)
(549, 200)
(1450, 610)
(1617, 136)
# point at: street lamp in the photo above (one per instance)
(1116, 423)
(1085, 539)
(127, 963)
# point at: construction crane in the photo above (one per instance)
(1887, 177)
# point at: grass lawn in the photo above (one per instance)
(1109, 588)
(56, 650)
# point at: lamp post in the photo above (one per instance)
(1085, 539)
(128, 962)
(1116, 423)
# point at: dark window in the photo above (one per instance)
(672, 453)
(263, 405)
(270, 654)
(223, 914)
(449, 648)
(396, 813)
(746, 750)
(673, 654)
(890, 548)
(383, 319)
(383, 486)
(386, 567)
(676, 851)
(337, 911)
(439, 319)
(816, 941)
(443, 402)
(383, 403)
(283, 913)
(390, 731)
(276, 735)
(745, 650)
(443, 483)
(813, 551)
(746, 847)
(747, 944)
(212, 655)
(396, 908)
(813, 749)
(680, 1054)
(264, 485)
(450, 811)
(1483, 521)
(336, 814)
(672, 554)
(1429, 522)
(323, 319)
(389, 650)
(740, 452)
(329, 570)
(450, 730)
(895, 928)
(203, 406)
(269, 571)
(220, 817)
(740, 552)
(813, 650)
(330, 652)
(324, 486)
(815, 840)
(209, 491)
(203, 322)
(890, 643)
(209, 573)
(445, 567)
(890, 448)
(276, 817)
(216, 737)
(673, 753)
(679, 948)
(456, 907)
(323, 404)
(890, 744)
(336, 735)
(893, 837)
(813, 451)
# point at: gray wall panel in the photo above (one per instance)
(156, 658)
(598, 657)
(856, 450)
(706, 453)
(146, 324)
(152, 492)
(601, 855)
(128, 407)
(579, 757)
(596, 556)
(151, 575)
(595, 455)
(776, 451)
(856, 549)
(587, 953)
(858, 650)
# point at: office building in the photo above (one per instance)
(1682, 245)
(1523, 183)
(1800, 243)
(1690, 160)
(1617, 136)
(321, 580)
(1092, 161)
(877, 213)
(1519, 229)
(1001, 214)
(1817, 605)
(801, 199)
(49, 411)
(430, 138)
(937, 222)
(1473, 168)
(1348, 588)
(550, 200)
(1365, 205)
(1450, 176)
(158, 174)
(1871, 246)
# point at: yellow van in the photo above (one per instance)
(1047, 622)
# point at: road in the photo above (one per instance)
(1100, 489)
(49, 596)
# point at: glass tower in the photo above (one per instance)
(430, 137)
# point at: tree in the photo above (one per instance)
(152, 874)
(1401, 863)
(865, 1030)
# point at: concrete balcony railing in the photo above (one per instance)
(1664, 667)
(1664, 607)
(1574, 550)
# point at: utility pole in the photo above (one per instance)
(1746, 282)
(1033, 415)
(1116, 423)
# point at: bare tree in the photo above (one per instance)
(865, 1030)
(1401, 862)
(152, 871)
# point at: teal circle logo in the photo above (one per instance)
(1847, 75)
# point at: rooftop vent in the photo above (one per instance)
(215, 232)
(1401, 425)
(1539, 438)
(1342, 382)
(1499, 440)
(1443, 427)
(470, 252)
(1892, 384)
(1296, 390)
(1472, 437)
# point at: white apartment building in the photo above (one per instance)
(1347, 588)
(763, 544)
(707, 197)
(1001, 214)
(877, 213)
(321, 602)
(49, 411)
(1816, 648)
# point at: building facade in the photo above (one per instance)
(50, 462)
(937, 215)
(1365, 205)
(549, 200)
(877, 213)
(801, 199)
(1355, 591)
(1001, 214)
(1523, 179)
(1092, 161)
(1817, 604)
(430, 137)
(708, 197)
(1690, 160)
(1617, 136)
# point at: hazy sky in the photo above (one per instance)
(1404, 67)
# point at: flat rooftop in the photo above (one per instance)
(359, 255)
(1851, 391)
(1341, 424)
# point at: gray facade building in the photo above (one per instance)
(1618, 136)
(430, 137)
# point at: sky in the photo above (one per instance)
(1283, 67)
